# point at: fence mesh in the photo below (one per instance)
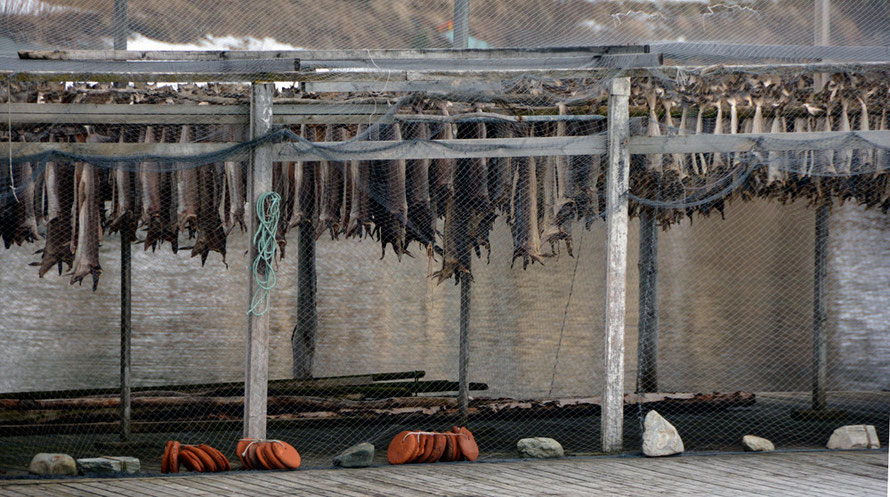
(365, 313)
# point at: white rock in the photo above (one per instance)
(757, 444)
(539, 447)
(107, 464)
(660, 438)
(52, 464)
(854, 437)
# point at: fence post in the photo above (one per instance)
(647, 345)
(612, 416)
(256, 378)
(463, 393)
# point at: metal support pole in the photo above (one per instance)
(647, 346)
(461, 24)
(126, 327)
(304, 334)
(463, 394)
(616, 266)
(256, 377)
(120, 43)
(121, 25)
(820, 350)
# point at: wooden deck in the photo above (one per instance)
(854, 473)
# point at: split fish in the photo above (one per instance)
(89, 230)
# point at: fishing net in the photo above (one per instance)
(412, 198)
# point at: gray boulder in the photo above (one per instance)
(854, 437)
(757, 444)
(660, 438)
(539, 447)
(357, 456)
(52, 464)
(108, 465)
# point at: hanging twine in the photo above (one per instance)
(266, 248)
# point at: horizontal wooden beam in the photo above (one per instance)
(353, 75)
(431, 53)
(493, 147)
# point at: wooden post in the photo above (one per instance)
(305, 331)
(647, 346)
(820, 350)
(120, 43)
(463, 380)
(256, 377)
(616, 266)
(461, 24)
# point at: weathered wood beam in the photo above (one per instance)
(492, 147)
(612, 418)
(256, 376)
(430, 53)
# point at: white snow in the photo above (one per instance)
(138, 41)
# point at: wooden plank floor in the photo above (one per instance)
(854, 473)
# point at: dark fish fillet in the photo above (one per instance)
(421, 225)
(442, 170)
(86, 255)
(211, 233)
(360, 214)
(523, 213)
(59, 199)
(331, 183)
(150, 179)
(187, 189)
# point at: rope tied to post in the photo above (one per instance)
(266, 245)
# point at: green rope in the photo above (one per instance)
(266, 247)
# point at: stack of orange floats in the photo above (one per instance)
(200, 458)
(267, 454)
(426, 447)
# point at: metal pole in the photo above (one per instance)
(461, 24)
(820, 350)
(304, 334)
(121, 26)
(612, 416)
(647, 346)
(120, 43)
(256, 377)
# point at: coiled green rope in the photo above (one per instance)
(266, 248)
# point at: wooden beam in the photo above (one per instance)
(492, 147)
(99, 73)
(256, 377)
(354, 54)
(612, 419)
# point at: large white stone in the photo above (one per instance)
(660, 438)
(854, 437)
(757, 444)
(52, 464)
(539, 447)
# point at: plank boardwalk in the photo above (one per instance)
(854, 473)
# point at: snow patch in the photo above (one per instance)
(138, 41)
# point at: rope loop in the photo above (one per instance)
(266, 249)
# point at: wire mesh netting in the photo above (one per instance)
(376, 256)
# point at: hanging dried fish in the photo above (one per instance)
(59, 179)
(122, 210)
(471, 189)
(523, 212)
(303, 207)
(500, 169)
(187, 189)
(388, 200)
(421, 225)
(211, 232)
(235, 190)
(331, 182)
(442, 170)
(346, 195)
(170, 211)
(558, 197)
(150, 178)
(89, 230)
(360, 212)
